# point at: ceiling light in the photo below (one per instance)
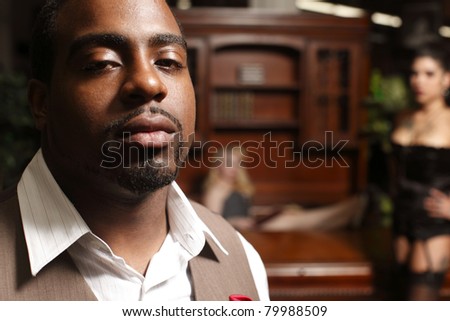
(184, 4)
(386, 20)
(348, 12)
(330, 8)
(444, 31)
(315, 6)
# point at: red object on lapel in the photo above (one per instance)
(239, 297)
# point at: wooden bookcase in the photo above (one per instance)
(289, 86)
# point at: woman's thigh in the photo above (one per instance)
(431, 255)
(402, 249)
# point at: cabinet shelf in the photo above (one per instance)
(288, 88)
(256, 124)
(261, 107)
(333, 93)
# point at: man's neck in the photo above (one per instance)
(134, 226)
(134, 231)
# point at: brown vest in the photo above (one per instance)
(215, 275)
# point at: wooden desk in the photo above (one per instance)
(315, 265)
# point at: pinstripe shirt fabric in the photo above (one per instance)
(52, 225)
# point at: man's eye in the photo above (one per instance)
(99, 66)
(169, 64)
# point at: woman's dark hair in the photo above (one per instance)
(436, 51)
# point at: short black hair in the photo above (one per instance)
(42, 47)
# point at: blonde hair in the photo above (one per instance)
(242, 182)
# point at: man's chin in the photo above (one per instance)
(140, 181)
(139, 175)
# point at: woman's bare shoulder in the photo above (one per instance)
(404, 119)
(402, 127)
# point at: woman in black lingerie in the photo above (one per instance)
(422, 203)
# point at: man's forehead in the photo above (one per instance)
(151, 14)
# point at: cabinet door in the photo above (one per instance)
(197, 56)
(333, 96)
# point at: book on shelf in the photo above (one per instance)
(232, 106)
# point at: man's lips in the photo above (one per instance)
(146, 130)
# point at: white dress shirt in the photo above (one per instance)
(53, 225)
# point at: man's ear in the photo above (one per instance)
(38, 101)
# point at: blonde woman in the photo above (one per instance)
(228, 190)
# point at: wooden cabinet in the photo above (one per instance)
(289, 88)
(334, 100)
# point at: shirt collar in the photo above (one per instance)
(185, 225)
(51, 223)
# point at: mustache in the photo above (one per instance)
(119, 124)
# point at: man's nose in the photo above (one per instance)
(143, 83)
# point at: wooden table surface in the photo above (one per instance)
(336, 265)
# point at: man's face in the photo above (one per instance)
(121, 97)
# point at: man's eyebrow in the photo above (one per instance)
(165, 39)
(116, 41)
(102, 39)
